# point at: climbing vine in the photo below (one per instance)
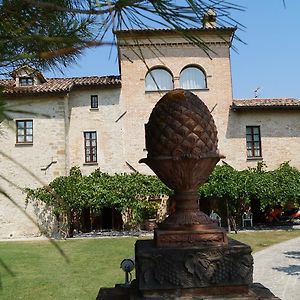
(270, 188)
(69, 195)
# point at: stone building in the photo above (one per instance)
(98, 122)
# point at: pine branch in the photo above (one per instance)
(51, 34)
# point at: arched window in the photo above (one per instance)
(192, 78)
(159, 80)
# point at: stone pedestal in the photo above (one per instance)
(256, 291)
(193, 267)
(197, 272)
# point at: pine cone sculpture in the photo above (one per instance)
(181, 125)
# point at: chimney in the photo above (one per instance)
(209, 19)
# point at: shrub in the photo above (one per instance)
(69, 195)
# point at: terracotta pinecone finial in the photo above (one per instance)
(179, 126)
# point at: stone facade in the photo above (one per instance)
(104, 121)
(25, 165)
(61, 113)
(280, 137)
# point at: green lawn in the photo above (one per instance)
(36, 270)
(259, 240)
(41, 272)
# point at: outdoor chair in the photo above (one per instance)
(247, 217)
(214, 216)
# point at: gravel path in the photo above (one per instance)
(278, 268)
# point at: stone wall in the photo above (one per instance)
(25, 165)
(105, 121)
(280, 137)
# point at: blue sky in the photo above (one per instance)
(270, 59)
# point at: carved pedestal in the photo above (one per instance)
(193, 267)
(186, 273)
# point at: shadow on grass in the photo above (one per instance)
(7, 269)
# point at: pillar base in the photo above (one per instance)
(190, 238)
(256, 291)
(192, 267)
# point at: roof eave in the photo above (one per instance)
(154, 31)
(34, 94)
(102, 86)
(269, 107)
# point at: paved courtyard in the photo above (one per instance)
(278, 268)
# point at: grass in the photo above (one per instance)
(35, 270)
(258, 240)
(40, 272)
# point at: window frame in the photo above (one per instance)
(90, 156)
(200, 70)
(252, 142)
(94, 101)
(26, 80)
(25, 130)
(156, 84)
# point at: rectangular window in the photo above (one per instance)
(24, 131)
(90, 146)
(253, 140)
(94, 101)
(25, 81)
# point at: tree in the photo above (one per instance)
(50, 34)
(28, 31)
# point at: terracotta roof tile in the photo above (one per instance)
(60, 85)
(265, 103)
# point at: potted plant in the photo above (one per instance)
(149, 214)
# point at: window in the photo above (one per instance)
(24, 131)
(25, 81)
(90, 146)
(94, 101)
(253, 141)
(159, 80)
(192, 78)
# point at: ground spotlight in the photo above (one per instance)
(127, 265)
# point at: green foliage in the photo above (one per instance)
(40, 36)
(286, 184)
(69, 195)
(47, 33)
(228, 184)
(150, 210)
(277, 187)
